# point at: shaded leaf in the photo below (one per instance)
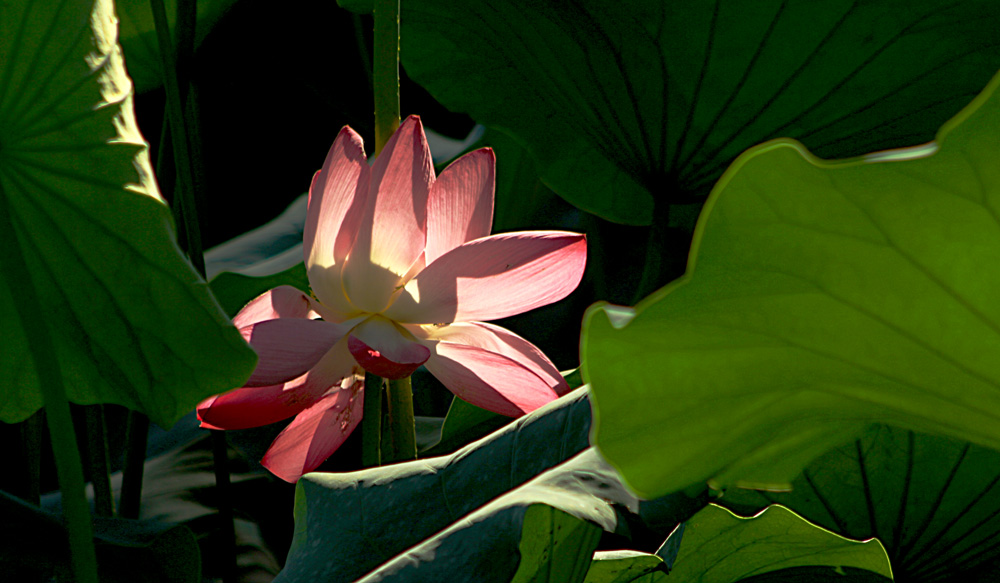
(821, 297)
(464, 513)
(235, 290)
(627, 104)
(932, 501)
(555, 547)
(132, 322)
(626, 567)
(720, 547)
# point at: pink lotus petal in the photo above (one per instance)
(288, 347)
(392, 233)
(337, 200)
(380, 347)
(281, 302)
(316, 433)
(503, 341)
(494, 277)
(489, 380)
(460, 206)
(253, 406)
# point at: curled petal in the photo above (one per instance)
(382, 348)
(337, 200)
(391, 237)
(288, 347)
(488, 379)
(503, 341)
(460, 206)
(281, 302)
(494, 277)
(316, 432)
(252, 406)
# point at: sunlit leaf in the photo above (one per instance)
(932, 501)
(132, 322)
(820, 297)
(720, 547)
(555, 547)
(624, 103)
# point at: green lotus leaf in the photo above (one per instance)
(821, 296)
(132, 323)
(627, 105)
(932, 501)
(720, 547)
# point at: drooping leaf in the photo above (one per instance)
(720, 547)
(626, 103)
(132, 322)
(934, 502)
(462, 516)
(821, 297)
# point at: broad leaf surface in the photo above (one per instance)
(626, 567)
(132, 322)
(461, 517)
(820, 297)
(720, 547)
(934, 502)
(555, 547)
(627, 104)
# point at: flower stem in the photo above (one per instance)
(385, 71)
(371, 422)
(16, 275)
(31, 442)
(400, 429)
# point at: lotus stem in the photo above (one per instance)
(371, 422)
(385, 71)
(400, 428)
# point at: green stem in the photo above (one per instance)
(371, 422)
(97, 454)
(16, 275)
(386, 71)
(136, 435)
(175, 113)
(400, 429)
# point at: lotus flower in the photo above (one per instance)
(403, 270)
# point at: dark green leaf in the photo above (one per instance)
(132, 322)
(932, 501)
(234, 290)
(626, 567)
(555, 547)
(627, 103)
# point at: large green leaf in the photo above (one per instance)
(624, 103)
(720, 547)
(132, 322)
(462, 517)
(820, 297)
(776, 546)
(932, 501)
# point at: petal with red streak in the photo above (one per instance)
(337, 200)
(315, 433)
(460, 206)
(494, 277)
(488, 379)
(382, 348)
(392, 232)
